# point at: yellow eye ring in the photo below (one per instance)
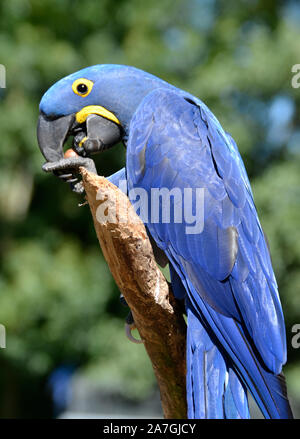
(82, 87)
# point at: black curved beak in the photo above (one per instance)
(51, 135)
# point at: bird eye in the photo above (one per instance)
(82, 87)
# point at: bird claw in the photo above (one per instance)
(129, 324)
(123, 301)
(69, 164)
(66, 168)
(128, 329)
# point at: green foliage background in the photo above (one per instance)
(58, 301)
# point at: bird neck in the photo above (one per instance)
(123, 91)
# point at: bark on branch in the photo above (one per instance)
(129, 255)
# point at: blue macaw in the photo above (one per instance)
(235, 332)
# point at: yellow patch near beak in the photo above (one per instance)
(95, 109)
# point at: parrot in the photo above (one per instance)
(220, 270)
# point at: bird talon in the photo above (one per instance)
(65, 176)
(128, 329)
(123, 301)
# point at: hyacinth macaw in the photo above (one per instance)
(235, 333)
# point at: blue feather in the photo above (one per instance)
(213, 389)
(233, 306)
(236, 333)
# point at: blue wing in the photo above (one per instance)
(214, 390)
(225, 268)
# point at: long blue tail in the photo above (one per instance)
(222, 363)
(214, 391)
(268, 389)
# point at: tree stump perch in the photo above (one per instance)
(157, 316)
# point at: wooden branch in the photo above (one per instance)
(129, 255)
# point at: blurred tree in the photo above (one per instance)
(58, 301)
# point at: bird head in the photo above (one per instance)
(94, 105)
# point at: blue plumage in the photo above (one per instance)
(213, 389)
(219, 259)
(226, 269)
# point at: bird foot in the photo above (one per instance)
(128, 330)
(129, 325)
(68, 169)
